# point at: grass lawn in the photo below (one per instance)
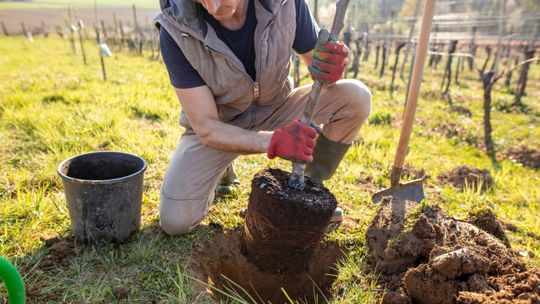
(53, 107)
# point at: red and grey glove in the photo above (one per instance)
(294, 142)
(329, 61)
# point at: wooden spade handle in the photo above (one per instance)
(412, 98)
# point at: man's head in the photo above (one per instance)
(221, 10)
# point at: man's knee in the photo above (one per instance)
(178, 217)
(358, 96)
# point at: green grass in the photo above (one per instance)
(38, 4)
(53, 107)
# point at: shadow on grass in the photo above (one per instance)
(147, 268)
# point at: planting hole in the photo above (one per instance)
(219, 263)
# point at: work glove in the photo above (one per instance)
(295, 142)
(329, 61)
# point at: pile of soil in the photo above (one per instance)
(219, 262)
(461, 110)
(426, 257)
(528, 157)
(466, 175)
(60, 250)
(450, 130)
(284, 226)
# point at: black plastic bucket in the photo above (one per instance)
(104, 195)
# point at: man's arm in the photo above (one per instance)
(199, 105)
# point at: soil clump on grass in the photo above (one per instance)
(472, 177)
(284, 226)
(425, 256)
(220, 263)
(59, 252)
(528, 157)
(461, 110)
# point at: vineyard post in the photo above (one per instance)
(81, 41)
(101, 59)
(4, 29)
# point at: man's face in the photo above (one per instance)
(221, 10)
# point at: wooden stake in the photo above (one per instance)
(71, 30)
(44, 30)
(101, 59)
(472, 49)
(81, 42)
(104, 30)
(6, 33)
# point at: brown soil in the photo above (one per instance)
(426, 257)
(465, 175)
(461, 110)
(450, 130)
(60, 250)
(219, 262)
(528, 157)
(284, 226)
(486, 220)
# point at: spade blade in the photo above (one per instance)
(410, 191)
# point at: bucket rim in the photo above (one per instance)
(100, 181)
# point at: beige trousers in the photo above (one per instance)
(194, 170)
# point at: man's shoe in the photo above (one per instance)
(228, 182)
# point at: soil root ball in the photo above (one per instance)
(465, 176)
(426, 257)
(284, 226)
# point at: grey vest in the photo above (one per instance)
(240, 100)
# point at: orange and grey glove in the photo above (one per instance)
(329, 61)
(295, 142)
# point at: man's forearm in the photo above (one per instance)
(222, 136)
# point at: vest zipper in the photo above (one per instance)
(254, 84)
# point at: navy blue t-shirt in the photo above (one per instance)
(182, 74)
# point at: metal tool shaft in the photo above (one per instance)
(297, 177)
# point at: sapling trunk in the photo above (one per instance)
(394, 68)
(383, 63)
(377, 52)
(488, 85)
(523, 76)
(447, 77)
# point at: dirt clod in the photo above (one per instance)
(121, 293)
(486, 220)
(463, 176)
(528, 157)
(59, 252)
(426, 257)
(461, 110)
